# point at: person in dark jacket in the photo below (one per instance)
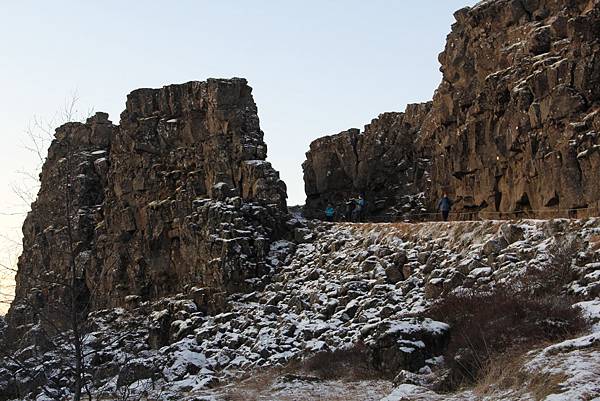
(329, 212)
(359, 209)
(444, 206)
(348, 210)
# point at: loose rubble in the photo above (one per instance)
(346, 283)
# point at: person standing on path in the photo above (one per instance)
(329, 212)
(359, 208)
(444, 206)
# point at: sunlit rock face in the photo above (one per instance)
(514, 124)
(512, 129)
(177, 198)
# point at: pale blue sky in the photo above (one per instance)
(317, 67)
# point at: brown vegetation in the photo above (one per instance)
(506, 373)
(349, 366)
(488, 325)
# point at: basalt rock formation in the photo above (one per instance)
(177, 198)
(60, 229)
(382, 164)
(513, 127)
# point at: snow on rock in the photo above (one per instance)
(591, 311)
(352, 283)
(577, 361)
(406, 392)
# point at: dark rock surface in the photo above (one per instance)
(512, 129)
(178, 197)
(381, 163)
(72, 184)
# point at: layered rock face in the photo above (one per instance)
(59, 231)
(513, 127)
(178, 198)
(514, 124)
(381, 163)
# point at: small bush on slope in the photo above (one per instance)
(485, 325)
(556, 274)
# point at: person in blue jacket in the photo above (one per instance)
(444, 206)
(329, 212)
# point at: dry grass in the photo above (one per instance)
(459, 232)
(350, 364)
(270, 383)
(400, 229)
(542, 385)
(252, 385)
(503, 373)
(506, 373)
(347, 368)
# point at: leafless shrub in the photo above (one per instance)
(484, 325)
(73, 311)
(38, 135)
(556, 274)
(510, 317)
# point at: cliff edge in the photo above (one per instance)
(177, 198)
(512, 130)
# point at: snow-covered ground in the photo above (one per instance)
(344, 284)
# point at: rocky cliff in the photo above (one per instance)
(177, 198)
(514, 124)
(171, 230)
(381, 163)
(513, 127)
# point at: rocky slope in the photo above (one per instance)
(512, 129)
(172, 233)
(178, 197)
(344, 285)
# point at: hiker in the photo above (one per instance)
(329, 212)
(349, 210)
(359, 207)
(444, 206)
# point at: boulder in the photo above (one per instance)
(405, 344)
(511, 233)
